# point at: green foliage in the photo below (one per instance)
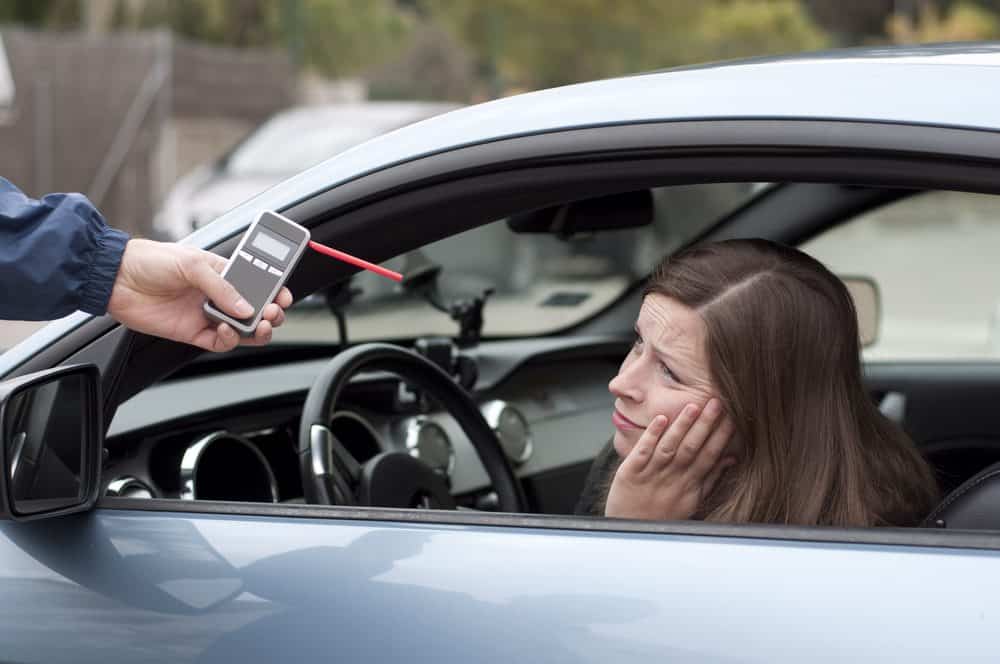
(963, 21)
(245, 23)
(334, 37)
(529, 44)
(481, 48)
(41, 13)
(745, 28)
(345, 37)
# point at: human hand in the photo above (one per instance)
(161, 287)
(671, 469)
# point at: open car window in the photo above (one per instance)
(933, 258)
(540, 283)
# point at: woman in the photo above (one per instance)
(742, 401)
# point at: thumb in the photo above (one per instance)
(204, 276)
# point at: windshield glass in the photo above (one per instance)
(541, 283)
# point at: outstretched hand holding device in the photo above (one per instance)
(263, 260)
(58, 255)
(160, 288)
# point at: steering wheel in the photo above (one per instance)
(331, 476)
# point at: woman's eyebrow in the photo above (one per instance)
(665, 356)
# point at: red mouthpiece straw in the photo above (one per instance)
(347, 258)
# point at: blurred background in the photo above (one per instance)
(166, 113)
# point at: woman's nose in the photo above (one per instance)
(625, 385)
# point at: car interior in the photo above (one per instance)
(522, 313)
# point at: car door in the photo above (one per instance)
(219, 586)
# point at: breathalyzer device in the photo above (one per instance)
(263, 261)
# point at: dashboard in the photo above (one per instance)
(233, 435)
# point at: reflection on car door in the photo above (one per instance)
(120, 585)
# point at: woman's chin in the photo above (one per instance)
(622, 444)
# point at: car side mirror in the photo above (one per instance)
(50, 442)
(867, 302)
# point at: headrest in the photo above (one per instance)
(974, 505)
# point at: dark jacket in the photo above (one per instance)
(57, 255)
(591, 499)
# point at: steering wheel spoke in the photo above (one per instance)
(333, 467)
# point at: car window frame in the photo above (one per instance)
(775, 153)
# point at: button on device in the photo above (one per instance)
(246, 256)
(259, 263)
(275, 271)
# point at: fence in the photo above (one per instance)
(108, 114)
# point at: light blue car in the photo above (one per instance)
(395, 478)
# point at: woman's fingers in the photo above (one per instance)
(693, 442)
(644, 448)
(694, 439)
(713, 449)
(666, 450)
(672, 468)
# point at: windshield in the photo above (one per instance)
(541, 283)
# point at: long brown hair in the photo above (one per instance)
(784, 354)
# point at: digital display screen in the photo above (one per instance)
(270, 245)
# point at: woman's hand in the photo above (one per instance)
(671, 469)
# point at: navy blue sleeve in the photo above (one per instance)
(57, 255)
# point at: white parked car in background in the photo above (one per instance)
(288, 143)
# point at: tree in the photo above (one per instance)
(962, 21)
(41, 13)
(346, 37)
(333, 37)
(529, 44)
(852, 22)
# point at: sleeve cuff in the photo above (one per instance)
(104, 264)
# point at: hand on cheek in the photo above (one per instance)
(673, 466)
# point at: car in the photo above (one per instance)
(289, 142)
(395, 477)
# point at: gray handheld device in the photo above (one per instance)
(263, 260)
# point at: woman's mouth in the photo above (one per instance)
(622, 423)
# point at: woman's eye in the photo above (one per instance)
(667, 372)
(637, 343)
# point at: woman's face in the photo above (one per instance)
(666, 369)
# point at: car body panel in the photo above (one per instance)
(153, 586)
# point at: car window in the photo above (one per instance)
(541, 283)
(934, 259)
